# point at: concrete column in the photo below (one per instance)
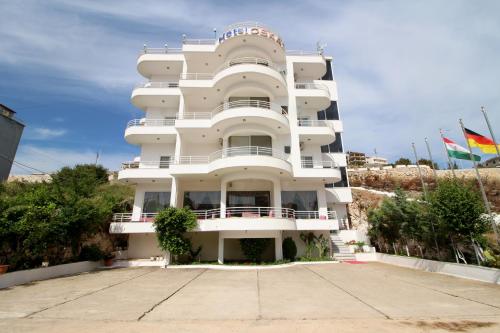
(174, 190)
(138, 203)
(322, 205)
(277, 196)
(223, 194)
(278, 249)
(220, 255)
(292, 118)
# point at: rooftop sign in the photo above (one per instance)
(251, 31)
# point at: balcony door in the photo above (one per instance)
(247, 203)
(250, 145)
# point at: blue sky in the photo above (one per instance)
(404, 68)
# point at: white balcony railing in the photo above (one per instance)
(170, 84)
(235, 212)
(314, 123)
(223, 153)
(315, 164)
(231, 63)
(234, 105)
(158, 50)
(303, 53)
(151, 122)
(311, 85)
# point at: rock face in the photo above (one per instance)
(408, 179)
(362, 201)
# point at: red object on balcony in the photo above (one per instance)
(322, 217)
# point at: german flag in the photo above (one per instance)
(484, 143)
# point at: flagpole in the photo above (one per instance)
(448, 155)
(481, 187)
(430, 157)
(483, 110)
(426, 198)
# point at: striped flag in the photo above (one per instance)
(457, 151)
(482, 142)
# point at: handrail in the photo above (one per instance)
(231, 63)
(146, 164)
(311, 85)
(314, 123)
(247, 151)
(156, 84)
(158, 50)
(241, 212)
(303, 53)
(151, 122)
(199, 41)
(195, 115)
(318, 164)
(249, 103)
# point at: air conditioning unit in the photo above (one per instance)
(301, 145)
(221, 142)
(229, 184)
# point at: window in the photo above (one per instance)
(331, 113)
(164, 162)
(202, 200)
(155, 201)
(245, 141)
(287, 149)
(329, 73)
(307, 161)
(334, 147)
(248, 199)
(300, 200)
(343, 181)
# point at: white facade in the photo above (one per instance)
(234, 129)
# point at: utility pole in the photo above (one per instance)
(447, 155)
(430, 158)
(481, 187)
(426, 198)
(483, 110)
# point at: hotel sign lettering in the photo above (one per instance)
(255, 31)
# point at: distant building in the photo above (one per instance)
(356, 159)
(376, 161)
(493, 162)
(11, 130)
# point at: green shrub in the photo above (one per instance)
(91, 253)
(254, 247)
(171, 224)
(289, 249)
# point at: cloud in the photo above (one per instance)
(44, 133)
(46, 159)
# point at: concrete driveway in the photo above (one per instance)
(371, 297)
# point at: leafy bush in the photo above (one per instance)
(289, 249)
(171, 224)
(308, 240)
(91, 252)
(254, 247)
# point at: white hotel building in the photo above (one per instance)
(245, 133)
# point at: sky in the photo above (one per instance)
(404, 69)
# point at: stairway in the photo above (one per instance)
(340, 250)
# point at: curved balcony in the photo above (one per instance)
(314, 95)
(160, 61)
(326, 169)
(320, 132)
(150, 131)
(236, 218)
(156, 94)
(227, 160)
(140, 171)
(233, 113)
(250, 69)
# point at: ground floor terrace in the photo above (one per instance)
(330, 297)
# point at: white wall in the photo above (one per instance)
(142, 246)
(153, 151)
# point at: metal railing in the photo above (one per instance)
(243, 212)
(199, 41)
(315, 164)
(170, 84)
(311, 85)
(151, 122)
(248, 151)
(231, 63)
(303, 53)
(195, 115)
(223, 153)
(314, 123)
(162, 50)
(247, 103)
(146, 165)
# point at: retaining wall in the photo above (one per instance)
(37, 274)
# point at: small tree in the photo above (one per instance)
(402, 161)
(171, 224)
(308, 240)
(321, 244)
(289, 249)
(254, 247)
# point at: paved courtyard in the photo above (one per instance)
(370, 297)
